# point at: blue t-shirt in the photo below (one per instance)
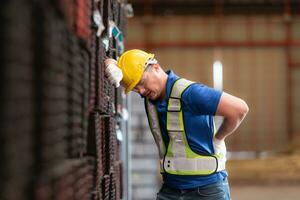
(199, 105)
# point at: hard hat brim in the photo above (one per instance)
(133, 84)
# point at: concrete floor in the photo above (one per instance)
(269, 192)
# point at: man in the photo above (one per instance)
(180, 114)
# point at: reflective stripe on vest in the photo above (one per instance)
(179, 158)
(155, 129)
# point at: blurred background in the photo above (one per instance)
(249, 48)
(66, 133)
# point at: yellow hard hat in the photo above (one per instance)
(132, 63)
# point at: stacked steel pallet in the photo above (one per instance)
(16, 100)
(57, 120)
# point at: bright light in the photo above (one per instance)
(218, 75)
(218, 85)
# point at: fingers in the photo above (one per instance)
(219, 146)
(109, 61)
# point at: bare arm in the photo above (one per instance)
(233, 110)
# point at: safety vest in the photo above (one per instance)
(178, 158)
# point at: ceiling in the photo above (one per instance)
(211, 7)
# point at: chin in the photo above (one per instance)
(153, 97)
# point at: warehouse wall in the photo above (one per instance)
(258, 66)
(295, 81)
(58, 111)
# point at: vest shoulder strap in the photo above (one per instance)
(155, 127)
(174, 102)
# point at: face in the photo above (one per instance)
(150, 85)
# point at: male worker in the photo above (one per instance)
(180, 114)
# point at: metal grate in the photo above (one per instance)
(57, 118)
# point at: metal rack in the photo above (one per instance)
(58, 117)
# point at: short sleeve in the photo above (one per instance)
(201, 99)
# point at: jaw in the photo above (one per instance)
(160, 96)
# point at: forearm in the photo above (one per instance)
(233, 110)
(227, 127)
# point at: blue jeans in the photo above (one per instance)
(216, 191)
